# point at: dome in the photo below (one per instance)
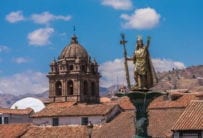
(74, 50)
(29, 102)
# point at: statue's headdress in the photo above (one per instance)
(139, 38)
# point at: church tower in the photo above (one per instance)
(74, 75)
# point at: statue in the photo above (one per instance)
(144, 73)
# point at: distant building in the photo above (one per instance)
(74, 75)
(74, 91)
(190, 123)
(10, 116)
(165, 110)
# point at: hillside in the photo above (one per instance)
(6, 100)
(190, 78)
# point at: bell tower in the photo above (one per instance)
(74, 75)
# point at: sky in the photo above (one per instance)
(34, 32)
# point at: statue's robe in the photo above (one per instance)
(144, 67)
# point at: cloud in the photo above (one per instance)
(113, 72)
(20, 60)
(22, 83)
(162, 65)
(46, 18)
(144, 18)
(14, 17)
(3, 48)
(40, 37)
(118, 4)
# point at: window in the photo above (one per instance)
(71, 67)
(84, 121)
(83, 68)
(55, 122)
(5, 120)
(85, 87)
(70, 87)
(93, 89)
(58, 88)
(190, 134)
(0, 120)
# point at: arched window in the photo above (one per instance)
(83, 68)
(70, 87)
(85, 87)
(71, 67)
(93, 88)
(58, 87)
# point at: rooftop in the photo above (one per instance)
(120, 127)
(191, 118)
(59, 132)
(16, 111)
(72, 109)
(173, 100)
(15, 130)
(162, 120)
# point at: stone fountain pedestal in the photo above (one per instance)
(141, 99)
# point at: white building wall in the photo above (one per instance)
(68, 120)
(12, 118)
(42, 121)
(77, 120)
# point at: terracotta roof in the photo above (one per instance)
(105, 99)
(162, 120)
(56, 132)
(191, 118)
(68, 109)
(125, 103)
(181, 102)
(120, 127)
(16, 111)
(13, 130)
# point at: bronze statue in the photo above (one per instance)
(144, 73)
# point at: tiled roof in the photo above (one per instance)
(125, 103)
(191, 118)
(120, 127)
(13, 130)
(181, 102)
(162, 120)
(71, 109)
(16, 111)
(56, 132)
(105, 100)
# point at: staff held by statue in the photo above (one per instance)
(123, 42)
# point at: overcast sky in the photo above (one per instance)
(34, 32)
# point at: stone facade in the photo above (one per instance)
(74, 75)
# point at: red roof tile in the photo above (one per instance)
(68, 109)
(125, 103)
(120, 127)
(191, 118)
(16, 111)
(162, 120)
(181, 102)
(56, 132)
(13, 130)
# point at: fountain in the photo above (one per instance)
(145, 77)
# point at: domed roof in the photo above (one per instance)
(74, 50)
(29, 102)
